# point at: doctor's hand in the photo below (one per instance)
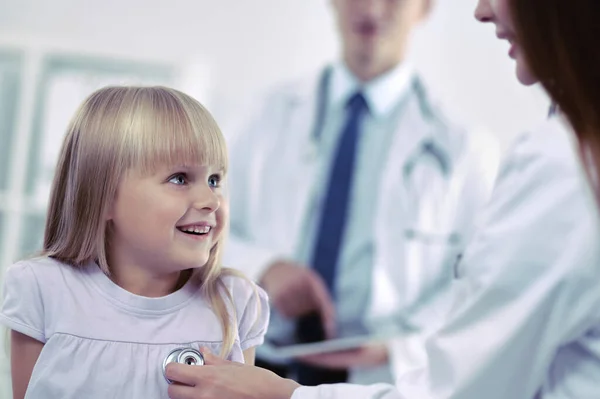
(367, 356)
(296, 290)
(222, 379)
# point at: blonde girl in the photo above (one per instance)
(130, 271)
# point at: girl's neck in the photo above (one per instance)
(145, 283)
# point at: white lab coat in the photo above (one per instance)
(526, 320)
(272, 173)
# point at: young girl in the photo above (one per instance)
(130, 273)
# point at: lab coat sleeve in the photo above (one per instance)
(245, 146)
(348, 391)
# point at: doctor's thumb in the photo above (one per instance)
(325, 306)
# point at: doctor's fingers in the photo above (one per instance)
(197, 392)
(295, 296)
(294, 305)
(192, 375)
(200, 382)
(292, 302)
(182, 373)
(288, 285)
(177, 391)
(324, 305)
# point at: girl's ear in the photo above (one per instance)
(110, 210)
(112, 198)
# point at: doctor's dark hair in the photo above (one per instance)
(115, 130)
(560, 41)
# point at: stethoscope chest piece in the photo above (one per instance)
(187, 356)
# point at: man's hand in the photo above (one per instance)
(295, 290)
(222, 379)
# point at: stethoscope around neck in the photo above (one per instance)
(427, 150)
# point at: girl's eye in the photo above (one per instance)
(179, 179)
(214, 180)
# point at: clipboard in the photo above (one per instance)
(357, 334)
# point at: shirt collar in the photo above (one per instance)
(381, 93)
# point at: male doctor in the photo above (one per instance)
(350, 192)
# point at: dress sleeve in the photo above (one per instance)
(22, 308)
(253, 313)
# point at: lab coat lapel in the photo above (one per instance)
(295, 148)
(395, 275)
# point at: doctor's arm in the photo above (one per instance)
(220, 378)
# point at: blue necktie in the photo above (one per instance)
(330, 234)
(337, 200)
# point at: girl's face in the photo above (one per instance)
(167, 221)
(498, 13)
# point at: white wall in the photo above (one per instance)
(248, 44)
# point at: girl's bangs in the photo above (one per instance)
(170, 128)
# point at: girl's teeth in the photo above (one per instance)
(198, 230)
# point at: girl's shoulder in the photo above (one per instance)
(251, 305)
(239, 286)
(30, 289)
(243, 292)
(43, 270)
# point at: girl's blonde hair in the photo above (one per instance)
(117, 129)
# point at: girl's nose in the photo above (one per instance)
(206, 199)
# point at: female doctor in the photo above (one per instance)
(526, 321)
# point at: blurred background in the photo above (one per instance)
(225, 53)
